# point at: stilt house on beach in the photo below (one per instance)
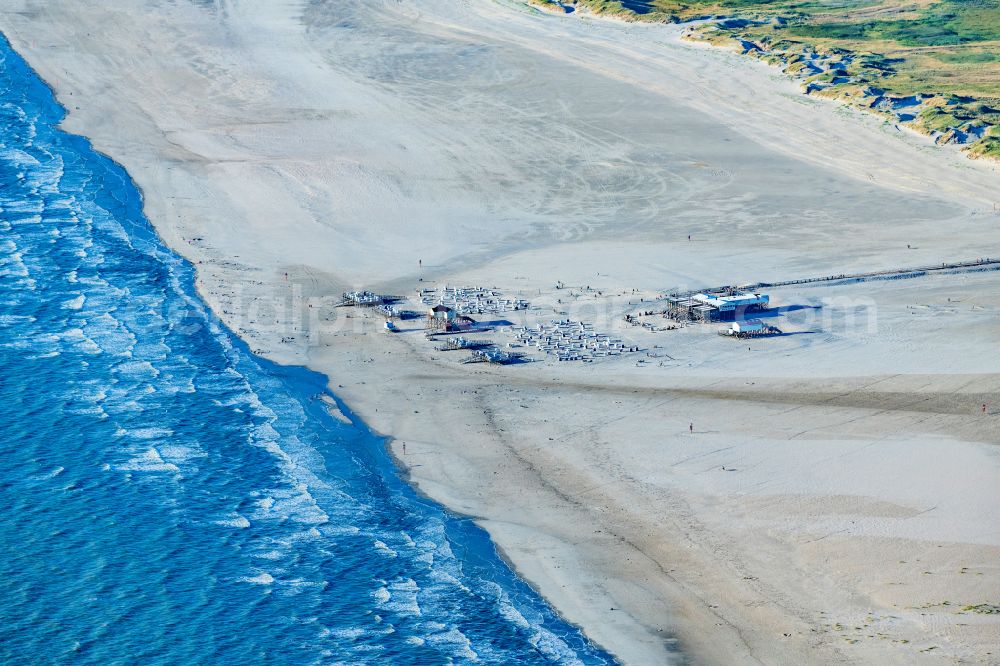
(441, 314)
(443, 318)
(715, 307)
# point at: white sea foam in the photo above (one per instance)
(125, 398)
(266, 433)
(270, 555)
(17, 157)
(403, 597)
(137, 370)
(445, 577)
(148, 461)
(234, 520)
(180, 454)
(459, 643)
(262, 578)
(91, 409)
(79, 341)
(14, 320)
(26, 207)
(50, 354)
(296, 504)
(300, 585)
(348, 633)
(151, 432)
(151, 349)
(384, 549)
(12, 265)
(109, 334)
(512, 615)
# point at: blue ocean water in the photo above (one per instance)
(168, 498)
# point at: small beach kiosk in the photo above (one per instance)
(750, 328)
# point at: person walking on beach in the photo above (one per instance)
(984, 408)
(691, 428)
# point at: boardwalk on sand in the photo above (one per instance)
(987, 264)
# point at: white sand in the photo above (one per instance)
(341, 142)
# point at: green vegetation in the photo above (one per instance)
(986, 609)
(947, 23)
(866, 52)
(968, 57)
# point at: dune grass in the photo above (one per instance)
(946, 46)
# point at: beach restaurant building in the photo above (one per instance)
(715, 307)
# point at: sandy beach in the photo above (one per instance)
(826, 496)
